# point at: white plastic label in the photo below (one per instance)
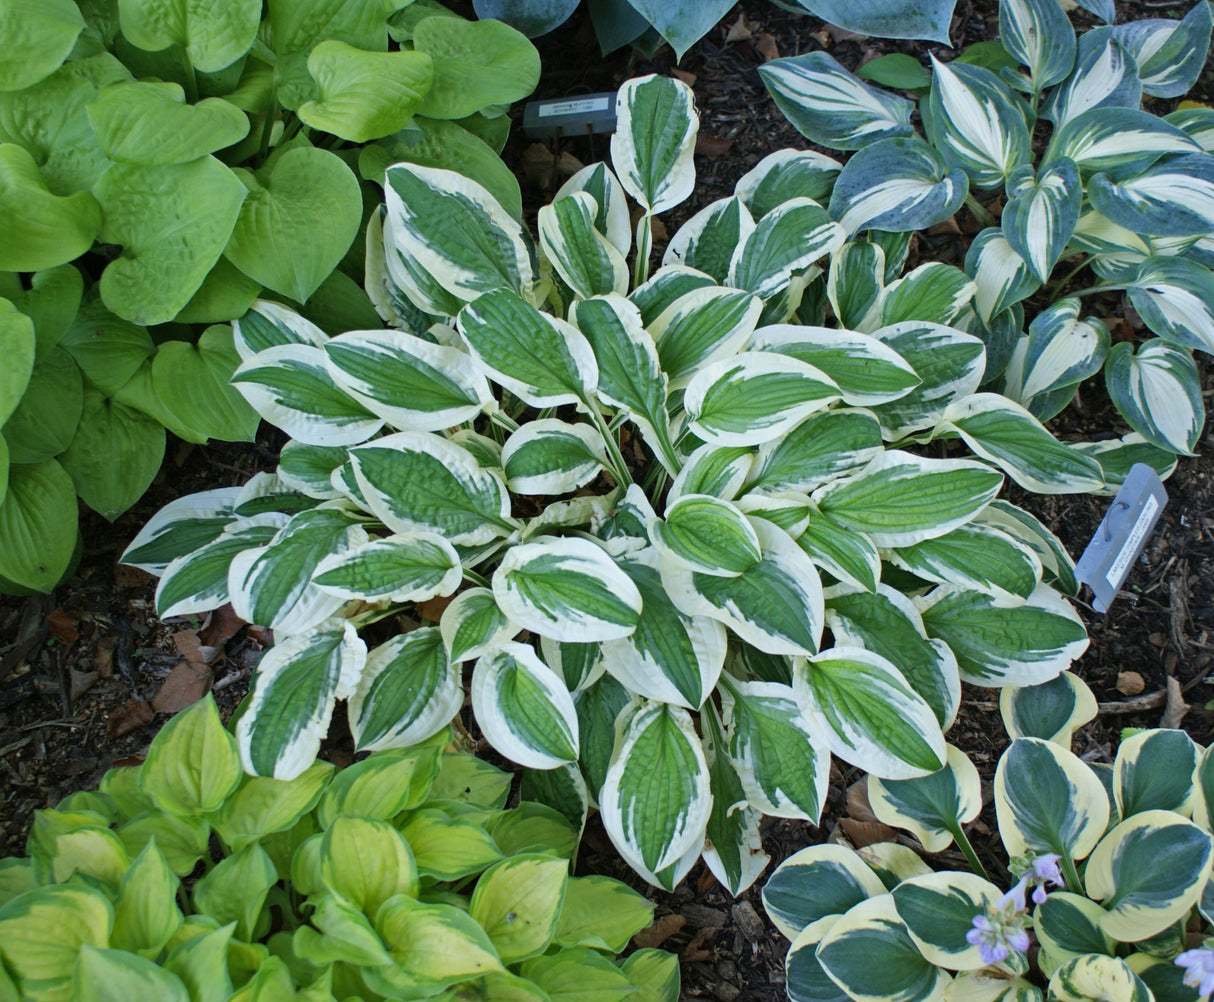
(582, 107)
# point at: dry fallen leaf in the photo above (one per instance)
(432, 609)
(947, 228)
(765, 46)
(862, 833)
(103, 657)
(739, 31)
(711, 146)
(130, 716)
(1176, 708)
(1130, 683)
(687, 78)
(858, 806)
(538, 164)
(658, 932)
(184, 686)
(221, 627)
(821, 37)
(63, 626)
(82, 681)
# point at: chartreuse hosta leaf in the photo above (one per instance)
(192, 766)
(197, 582)
(708, 239)
(1154, 771)
(655, 801)
(1169, 53)
(976, 556)
(862, 706)
(733, 847)
(1041, 213)
(949, 365)
(588, 262)
(786, 174)
(432, 946)
(524, 708)
(830, 106)
(262, 806)
(297, 684)
(44, 931)
(1052, 711)
(939, 909)
(1158, 392)
(1147, 873)
(601, 913)
(213, 37)
(42, 36)
(1121, 142)
(785, 242)
(933, 808)
(699, 325)
(382, 786)
(547, 456)
(517, 901)
(870, 954)
(654, 161)
(896, 185)
(1175, 297)
(820, 881)
(1097, 976)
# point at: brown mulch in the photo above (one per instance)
(81, 670)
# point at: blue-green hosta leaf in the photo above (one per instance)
(651, 149)
(544, 360)
(855, 285)
(1041, 213)
(588, 262)
(775, 605)
(290, 386)
(1067, 925)
(869, 953)
(180, 528)
(885, 19)
(1052, 711)
(932, 808)
(1158, 391)
(1174, 197)
(1147, 873)
(896, 185)
(868, 713)
(1121, 142)
(733, 848)
(782, 761)
(933, 292)
(900, 499)
(1048, 800)
(830, 106)
(1003, 276)
(1197, 121)
(785, 242)
(1061, 350)
(268, 324)
(1038, 34)
(456, 232)
(1169, 54)
(408, 567)
(1176, 300)
(567, 589)
(755, 397)
(710, 535)
(819, 881)
(655, 800)
(1105, 76)
(939, 909)
(708, 239)
(407, 692)
(298, 681)
(611, 206)
(805, 978)
(975, 556)
(548, 456)
(835, 443)
(1005, 433)
(1154, 770)
(700, 325)
(786, 174)
(197, 582)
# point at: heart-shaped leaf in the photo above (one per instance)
(38, 525)
(214, 35)
(476, 63)
(114, 456)
(38, 36)
(41, 229)
(193, 383)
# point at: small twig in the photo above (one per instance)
(236, 676)
(1147, 701)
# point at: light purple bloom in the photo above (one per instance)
(1001, 931)
(1199, 969)
(1045, 870)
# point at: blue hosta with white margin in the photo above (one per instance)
(1110, 878)
(483, 451)
(1120, 191)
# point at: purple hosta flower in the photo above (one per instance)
(1038, 871)
(1001, 929)
(1199, 968)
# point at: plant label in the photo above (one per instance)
(570, 116)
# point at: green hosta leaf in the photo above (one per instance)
(173, 222)
(548, 456)
(855, 285)
(830, 106)
(44, 931)
(588, 262)
(655, 801)
(975, 556)
(785, 242)
(1148, 872)
(365, 95)
(42, 229)
(405, 567)
(517, 902)
(786, 174)
(1158, 392)
(193, 382)
(523, 707)
(48, 415)
(52, 302)
(1154, 771)
(933, 292)
(1002, 275)
(888, 20)
(1048, 800)
(601, 913)
(1052, 711)
(820, 881)
(1105, 76)
(949, 365)
(1041, 213)
(701, 325)
(40, 37)
(114, 456)
(347, 936)
(733, 848)
(708, 239)
(407, 692)
(180, 528)
(897, 71)
(146, 915)
(108, 350)
(38, 525)
(476, 63)
(868, 713)
(383, 785)
(831, 444)
(262, 806)
(562, 789)
(1172, 198)
(651, 149)
(1039, 34)
(1022, 646)
(1068, 925)
(471, 623)
(192, 765)
(681, 26)
(896, 185)
(939, 909)
(1175, 297)
(146, 122)
(975, 124)
(213, 36)
(1169, 54)
(1119, 141)
(1097, 977)
(298, 682)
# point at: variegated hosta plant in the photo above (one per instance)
(643, 507)
(1122, 192)
(1127, 846)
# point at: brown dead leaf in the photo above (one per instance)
(185, 685)
(697, 952)
(538, 164)
(130, 577)
(82, 682)
(130, 716)
(947, 228)
(221, 627)
(186, 642)
(858, 807)
(567, 165)
(1130, 683)
(843, 35)
(63, 625)
(103, 657)
(1176, 708)
(433, 608)
(658, 228)
(658, 932)
(765, 46)
(1119, 329)
(685, 76)
(712, 146)
(862, 833)
(262, 635)
(821, 37)
(706, 881)
(739, 31)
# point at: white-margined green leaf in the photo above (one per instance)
(933, 292)
(1062, 349)
(1067, 925)
(866, 370)
(407, 692)
(568, 589)
(896, 185)
(855, 285)
(1039, 35)
(709, 470)
(180, 528)
(1121, 142)
(818, 881)
(1154, 771)
(786, 174)
(1042, 212)
(412, 384)
(700, 325)
(548, 456)
(1096, 976)
(1174, 197)
(868, 713)
(289, 385)
(666, 285)
(656, 800)
(1117, 457)
(1105, 76)
(870, 955)
(755, 397)
(830, 106)
(709, 534)
(1158, 392)
(1169, 54)
(405, 567)
(651, 149)
(900, 499)
(842, 552)
(1022, 646)
(309, 469)
(1147, 873)
(932, 808)
(976, 556)
(733, 848)
(1057, 566)
(805, 979)
(588, 262)
(1197, 121)
(405, 287)
(266, 492)
(939, 910)
(197, 582)
(974, 123)
(1005, 433)
(1048, 801)
(543, 359)
(1003, 276)
(578, 665)
(598, 706)
(949, 365)
(416, 480)
(776, 604)
(611, 206)
(708, 239)
(472, 623)
(297, 683)
(784, 243)
(1052, 711)
(1175, 298)
(457, 231)
(524, 709)
(834, 443)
